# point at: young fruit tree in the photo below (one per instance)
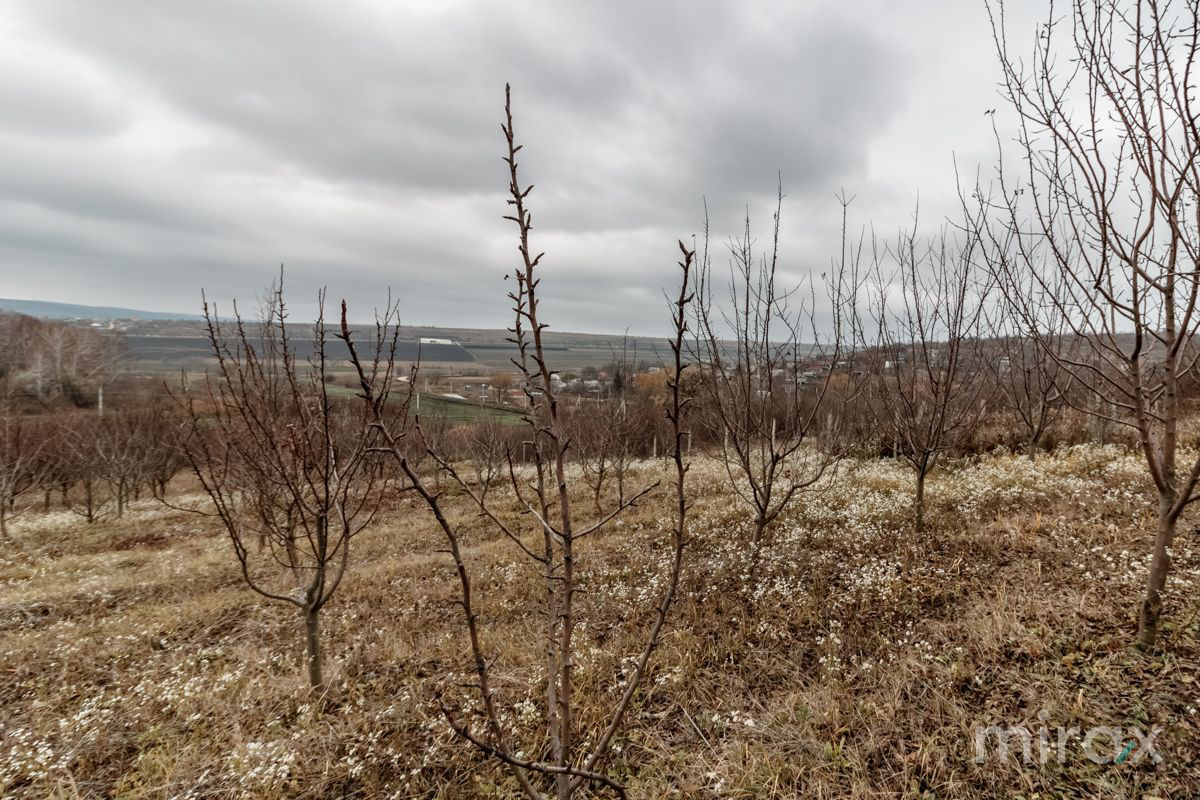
(606, 434)
(1102, 214)
(762, 386)
(125, 446)
(564, 760)
(285, 466)
(1030, 385)
(485, 446)
(928, 384)
(81, 465)
(22, 465)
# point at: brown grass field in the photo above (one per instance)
(135, 663)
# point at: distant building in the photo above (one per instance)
(425, 340)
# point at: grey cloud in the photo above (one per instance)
(359, 143)
(45, 95)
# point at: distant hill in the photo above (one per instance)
(158, 340)
(47, 310)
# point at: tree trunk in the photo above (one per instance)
(3, 523)
(757, 543)
(760, 527)
(1151, 605)
(919, 501)
(600, 477)
(312, 641)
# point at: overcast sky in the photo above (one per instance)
(149, 149)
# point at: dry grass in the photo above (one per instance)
(136, 665)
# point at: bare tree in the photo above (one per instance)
(18, 333)
(764, 389)
(628, 415)
(571, 764)
(21, 464)
(502, 383)
(1105, 202)
(592, 441)
(607, 434)
(49, 359)
(74, 363)
(166, 456)
(928, 380)
(434, 435)
(285, 466)
(486, 446)
(1029, 384)
(81, 466)
(124, 449)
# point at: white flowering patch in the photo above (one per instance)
(261, 766)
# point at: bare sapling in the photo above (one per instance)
(285, 466)
(1030, 385)
(564, 760)
(486, 448)
(606, 435)
(81, 465)
(763, 386)
(625, 413)
(593, 441)
(22, 465)
(164, 429)
(125, 446)
(929, 386)
(1101, 215)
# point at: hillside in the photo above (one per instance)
(857, 662)
(49, 310)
